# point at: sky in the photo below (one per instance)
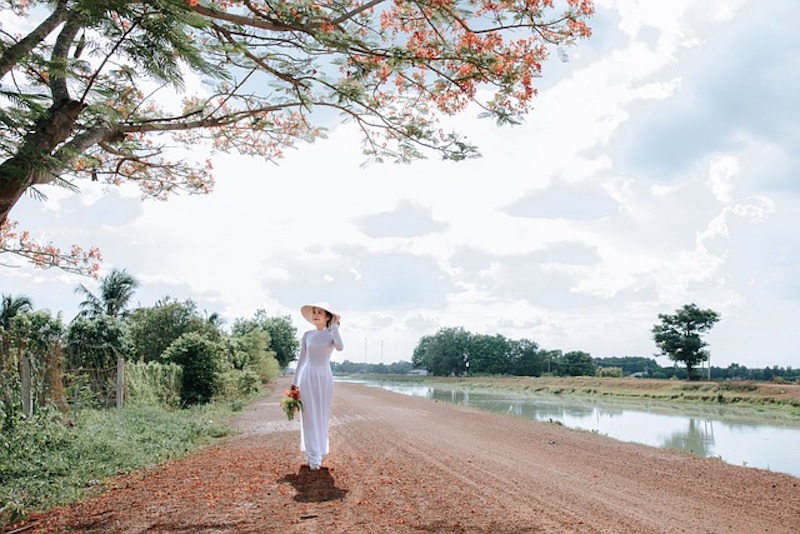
(658, 168)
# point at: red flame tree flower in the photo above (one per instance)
(88, 93)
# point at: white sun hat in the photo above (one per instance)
(306, 310)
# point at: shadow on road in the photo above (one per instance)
(314, 486)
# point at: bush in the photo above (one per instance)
(265, 366)
(31, 446)
(235, 384)
(615, 372)
(154, 383)
(201, 360)
(44, 462)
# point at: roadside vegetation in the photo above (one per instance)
(45, 462)
(119, 389)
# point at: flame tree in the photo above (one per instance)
(98, 90)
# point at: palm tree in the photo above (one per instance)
(11, 306)
(116, 291)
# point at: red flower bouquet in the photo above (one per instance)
(291, 402)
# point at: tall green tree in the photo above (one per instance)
(418, 359)
(679, 336)
(283, 339)
(445, 353)
(282, 334)
(489, 354)
(116, 291)
(154, 328)
(86, 90)
(577, 363)
(526, 358)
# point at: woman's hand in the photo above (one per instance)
(336, 320)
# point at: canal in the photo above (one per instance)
(740, 437)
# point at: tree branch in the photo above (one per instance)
(12, 55)
(60, 58)
(207, 122)
(69, 152)
(239, 19)
(257, 60)
(356, 11)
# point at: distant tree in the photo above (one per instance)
(282, 334)
(116, 292)
(489, 354)
(526, 358)
(678, 336)
(348, 368)
(154, 329)
(401, 367)
(446, 353)
(630, 364)
(418, 355)
(551, 359)
(577, 363)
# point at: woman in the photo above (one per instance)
(315, 380)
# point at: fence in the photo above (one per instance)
(89, 386)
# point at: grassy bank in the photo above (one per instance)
(760, 396)
(47, 461)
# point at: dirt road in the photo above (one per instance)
(404, 464)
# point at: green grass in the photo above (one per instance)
(45, 462)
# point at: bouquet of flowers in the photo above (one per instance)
(291, 402)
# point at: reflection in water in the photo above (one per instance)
(767, 445)
(698, 439)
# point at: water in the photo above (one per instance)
(709, 431)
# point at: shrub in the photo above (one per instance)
(265, 366)
(615, 372)
(154, 383)
(201, 361)
(235, 384)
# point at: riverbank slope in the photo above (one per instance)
(764, 396)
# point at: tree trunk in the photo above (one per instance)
(10, 193)
(690, 375)
(31, 165)
(27, 385)
(54, 380)
(120, 381)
